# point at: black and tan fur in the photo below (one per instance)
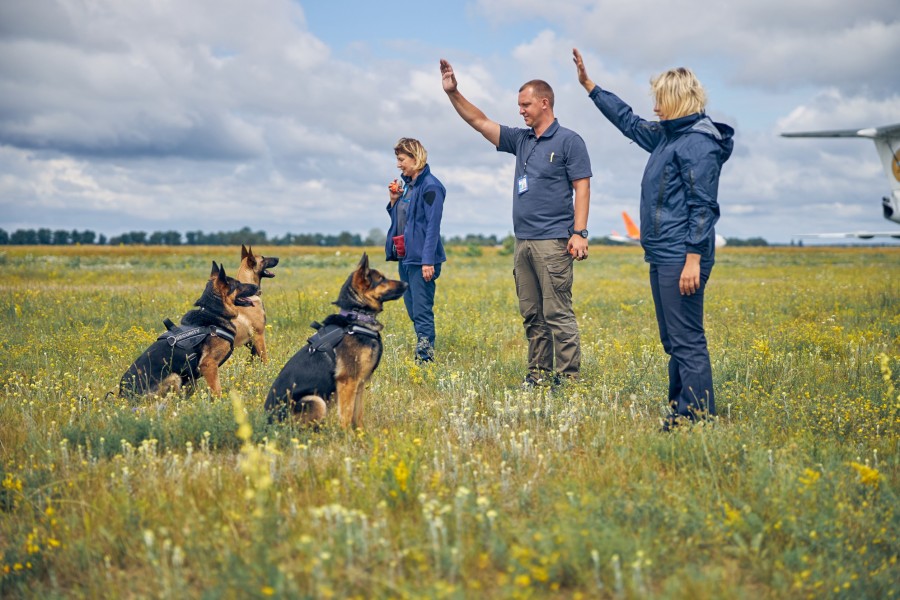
(311, 380)
(164, 368)
(250, 325)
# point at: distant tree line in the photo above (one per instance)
(375, 237)
(754, 241)
(62, 237)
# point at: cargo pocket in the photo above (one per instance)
(561, 274)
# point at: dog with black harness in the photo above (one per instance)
(197, 347)
(340, 357)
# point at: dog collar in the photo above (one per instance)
(358, 316)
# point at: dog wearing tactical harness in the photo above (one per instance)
(340, 357)
(250, 325)
(197, 347)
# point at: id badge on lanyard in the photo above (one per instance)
(522, 182)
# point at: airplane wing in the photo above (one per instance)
(869, 132)
(863, 235)
(833, 133)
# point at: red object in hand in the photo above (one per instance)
(395, 187)
(399, 245)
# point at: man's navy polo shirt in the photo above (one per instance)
(550, 163)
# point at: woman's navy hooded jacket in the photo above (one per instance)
(679, 191)
(422, 234)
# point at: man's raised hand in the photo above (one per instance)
(448, 79)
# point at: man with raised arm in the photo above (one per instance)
(552, 163)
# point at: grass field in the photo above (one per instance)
(460, 485)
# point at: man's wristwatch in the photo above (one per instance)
(583, 233)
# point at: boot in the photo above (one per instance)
(424, 350)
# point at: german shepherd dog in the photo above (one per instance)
(340, 358)
(250, 325)
(199, 346)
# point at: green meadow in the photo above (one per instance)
(460, 485)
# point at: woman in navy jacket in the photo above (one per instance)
(679, 210)
(414, 238)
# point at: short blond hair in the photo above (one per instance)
(413, 148)
(678, 93)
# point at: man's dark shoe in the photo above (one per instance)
(561, 380)
(535, 379)
(532, 380)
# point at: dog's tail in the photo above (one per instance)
(309, 410)
(312, 411)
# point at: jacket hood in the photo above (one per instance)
(701, 123)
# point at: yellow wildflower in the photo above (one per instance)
(809, 477)
(401, 474)
(867, 475)
(733, 516)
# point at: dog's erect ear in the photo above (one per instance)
(361, 274)
(223, 278)
(247, 254)
(215, 270)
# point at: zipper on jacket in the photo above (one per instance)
(702, 218)
(659, 199)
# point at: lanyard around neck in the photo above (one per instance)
(527, 158)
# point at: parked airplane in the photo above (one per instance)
(887, 142)
(633, 234)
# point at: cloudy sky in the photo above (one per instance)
(279, 115)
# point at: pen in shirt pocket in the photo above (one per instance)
(551, 156)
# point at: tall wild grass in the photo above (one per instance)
(461, 485)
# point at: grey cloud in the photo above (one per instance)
(183, 115)
(767, 44)
(130, 81)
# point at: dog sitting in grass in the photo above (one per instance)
(250, 325)
(197, 347)
(340, 357)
